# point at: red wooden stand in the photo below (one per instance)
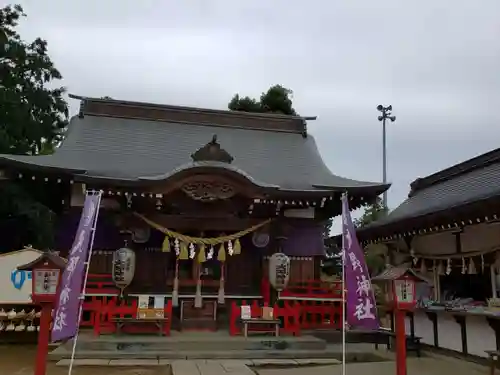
(400, 342)
(43, 339)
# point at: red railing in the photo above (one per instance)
(319, 303)
(102, 304)
(314, 289)
(310, 304)
(100, 284)
(105, 312)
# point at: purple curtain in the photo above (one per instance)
(304, 238)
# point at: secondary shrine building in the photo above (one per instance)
(203, 198)
(448, 231)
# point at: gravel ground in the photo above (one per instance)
(19, 360)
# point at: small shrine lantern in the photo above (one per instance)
(399, 285)
(404, 292)
(46, 273)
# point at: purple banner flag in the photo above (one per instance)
(66, 316)
(361, 306)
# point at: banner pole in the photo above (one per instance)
(344, 307)
(87, 266)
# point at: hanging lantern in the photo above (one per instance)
(123, 268)
(279, 271)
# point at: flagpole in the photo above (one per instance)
(84, 287)
(343, 299)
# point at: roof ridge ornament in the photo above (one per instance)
(212, 152)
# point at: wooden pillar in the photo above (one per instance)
(437, 283)
(460, 319)
(432, 315)
(43, 339)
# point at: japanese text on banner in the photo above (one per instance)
(361, 306)
(66, 318)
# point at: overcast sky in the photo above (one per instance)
(436, 61)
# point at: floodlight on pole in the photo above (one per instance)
(386, 114)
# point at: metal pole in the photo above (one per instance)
(344, 305)
(384, 161)
(386, 114)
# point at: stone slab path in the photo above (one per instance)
(198, 367)
(416, 366)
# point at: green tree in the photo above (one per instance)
(373, 212)
(332, 264)
(277, 99)
(33, 111)
(33, 117)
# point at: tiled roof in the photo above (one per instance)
(133, 150)
(393, 273)
(464, 183)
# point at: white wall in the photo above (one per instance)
(474, 238)
(10, 277)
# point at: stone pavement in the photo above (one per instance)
(435, 365)
(16, 360)
(190, 367)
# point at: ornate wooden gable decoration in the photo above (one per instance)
(206, 189)
(212, 152)
(202, 188)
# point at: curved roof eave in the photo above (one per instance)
(360, 186)
(193, 166)
(17, 161)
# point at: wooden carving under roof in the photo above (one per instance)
(207, 190)
(212, 152)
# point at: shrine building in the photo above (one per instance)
(203, 198)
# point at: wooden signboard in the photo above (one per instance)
(143, 307)
(279, 271)
(267, 313)
(150, 307)
(159, 306)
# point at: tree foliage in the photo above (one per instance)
(277, 99)
(33, 117)
(32, 110)
(374, 212)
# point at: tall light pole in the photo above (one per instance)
(386, 114)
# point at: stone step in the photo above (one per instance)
(186, 342)
(60, 354)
